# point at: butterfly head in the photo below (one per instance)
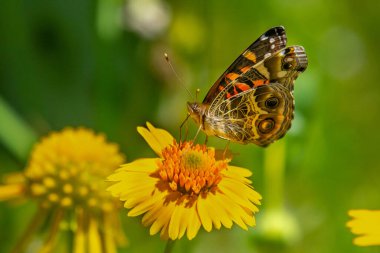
(196, 111)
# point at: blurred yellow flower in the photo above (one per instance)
(366, 224)
(184, 189)
(66, 175)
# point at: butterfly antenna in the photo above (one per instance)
(179, 78)
(196, 94)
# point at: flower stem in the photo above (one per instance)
(169, 246)
(274, 165)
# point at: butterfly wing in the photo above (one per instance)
(252, 102)
(260, 115)
(268, 43)
(281, 67)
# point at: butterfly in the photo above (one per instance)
(252, 101)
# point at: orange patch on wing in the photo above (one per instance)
(245, 69)
(243, 86)
(235, 91)
(232, 76)
(250, 56)
(260, 82)
(228, 95)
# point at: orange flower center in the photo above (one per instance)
(190, 169)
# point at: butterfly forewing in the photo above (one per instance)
(270, 42)
(282, 67)
(285, 66)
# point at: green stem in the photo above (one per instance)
(274, 166)
(169, 246)
(15, 134)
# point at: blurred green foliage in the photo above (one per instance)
(100, 64)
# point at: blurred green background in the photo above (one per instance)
(100, 64)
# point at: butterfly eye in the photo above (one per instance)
(266, 126)
(272, 102)
(287, 66)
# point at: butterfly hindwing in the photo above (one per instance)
(261, 115)
(268, 43)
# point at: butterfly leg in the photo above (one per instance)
(196, 135)
(225, 150)
(180, 128)
(206, 139)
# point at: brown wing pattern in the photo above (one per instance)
(270, 42)
(252, 102)
(282, 67)
(261, 115)
(285, 66)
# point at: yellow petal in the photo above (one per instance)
(204, 215)
(145, 205)
(79, 237)
(212, 210)
(11, 191)
(94, 241)
(222, 213)
(175, 222)
(146, 165)
(109, 236)
(14, 178)
(151, 215)
(164, 234)
(365, 223)
(142, 190)
(193, 223)
(157, 139)
(186, 212)
(242, 172)
(248, 217)
(163, 136)
(234, 210)
(368, 240)
(237, 193)
(236, 177)
(132, 202)
(242, 187)
(163, 218)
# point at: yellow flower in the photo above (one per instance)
(66, 176)
(184, 189)
(366, 224)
